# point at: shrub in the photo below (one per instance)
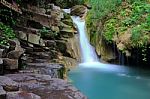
(6, 33)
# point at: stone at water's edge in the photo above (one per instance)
(39, 53)
(46, 87)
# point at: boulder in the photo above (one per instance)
(22, 95)
(22, 35)
(42, 43)
(15, 45)
(8, 84)
(79, 10)
(50, 43)
(2, 93)
(15, 54)
(34, 38)
(55, 29)
(10, 64)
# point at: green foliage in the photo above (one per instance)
(131, 26)
(110, 29)
(140, 36)
(6, 33)
(48, 33)
(138, 20)
(100, 8)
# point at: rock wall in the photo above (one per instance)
(36, 62)
(49, 29)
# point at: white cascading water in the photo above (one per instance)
(89, 57)
(88, 53)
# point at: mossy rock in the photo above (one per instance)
(78, 10)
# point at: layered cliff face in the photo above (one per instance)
(44, 48)
(49, 29)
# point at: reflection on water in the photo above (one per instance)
(108, 82)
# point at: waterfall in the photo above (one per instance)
(89, 57)
(88, 53)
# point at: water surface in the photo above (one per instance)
(111, 83)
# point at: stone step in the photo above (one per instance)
(40, 55)
(50, 65)
(62, 24)
(68, 22)
(35, 60)
(35, 49)
(27, 30)
(52, 69)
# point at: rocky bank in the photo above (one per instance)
(34, 64)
